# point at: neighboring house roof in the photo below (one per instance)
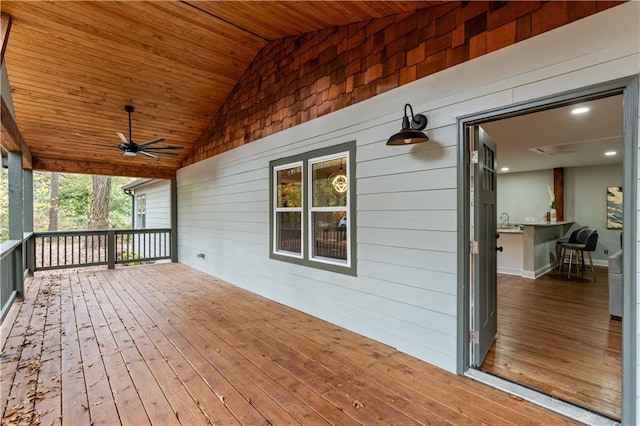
(137, 183)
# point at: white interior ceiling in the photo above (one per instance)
(557, 138)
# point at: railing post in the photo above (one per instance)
(31, 254)
(28, 249)
(18, 272)
(111, 249)
(174, 219)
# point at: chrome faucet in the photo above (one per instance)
(504, 223)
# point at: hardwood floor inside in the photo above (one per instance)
(166, 344)
(555, 335)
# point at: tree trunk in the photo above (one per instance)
(99, 213)
(53, 201)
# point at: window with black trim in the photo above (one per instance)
(313, 209)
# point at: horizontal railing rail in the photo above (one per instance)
(72, 249)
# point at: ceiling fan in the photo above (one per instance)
(130, 148)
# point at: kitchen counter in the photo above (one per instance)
(547, 224)
(510, 231)
(530, 252)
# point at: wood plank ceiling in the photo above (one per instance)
(73, 66)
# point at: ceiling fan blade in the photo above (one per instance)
(151, 141)
(147, 154)
(164, 147)
(159, 152)
(122, 138)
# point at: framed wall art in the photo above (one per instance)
(614, 207)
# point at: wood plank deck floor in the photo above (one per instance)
(166, 344)
(555, 335)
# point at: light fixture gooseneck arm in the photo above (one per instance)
(405, 119)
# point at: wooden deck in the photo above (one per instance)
(555, 335)
(165, 344)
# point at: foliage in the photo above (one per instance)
(325, 196)
(120, 203)
(289, 195)
(99, 211)
(74, 201)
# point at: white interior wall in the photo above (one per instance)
(524, 195)
(586, 203)
(405, 291)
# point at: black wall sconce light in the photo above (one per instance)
(411, 130)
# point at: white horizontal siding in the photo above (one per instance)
(158, 202)
(443, 199)
(405, 293)
(423, 220)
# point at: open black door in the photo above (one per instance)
(484, 297)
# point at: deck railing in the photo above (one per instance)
(13, 265)
(72, 249)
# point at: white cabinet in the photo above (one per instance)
(510, 259)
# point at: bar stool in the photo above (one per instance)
(586, 240)
(573, 245)
(572, 238)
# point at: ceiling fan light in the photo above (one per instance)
(129, 153)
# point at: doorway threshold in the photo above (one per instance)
(550, 403)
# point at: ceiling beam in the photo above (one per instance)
(5, 27)
(102, 168)
(11, 138)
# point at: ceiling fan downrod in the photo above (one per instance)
(129, 109)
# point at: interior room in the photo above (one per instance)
(557, 331)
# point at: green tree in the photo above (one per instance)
(74, 201)
(41, 200)
(53, 201)
(120, 204)
(99, 210)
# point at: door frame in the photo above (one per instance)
(629, 88)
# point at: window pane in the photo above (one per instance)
(330, 183)
(289, 231)
(330, 235)
(290, 187)
(142, 204)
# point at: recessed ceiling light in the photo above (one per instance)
(504, 169)
(610, 153)
(580, 110)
